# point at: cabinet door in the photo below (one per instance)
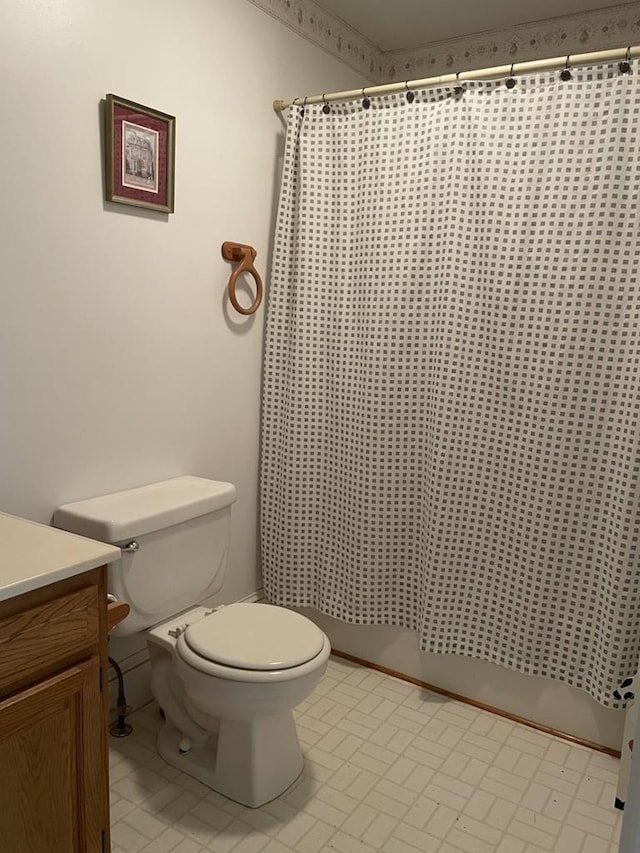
(51, 754)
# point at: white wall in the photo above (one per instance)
(122, 363)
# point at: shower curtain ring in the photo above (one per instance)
(366, 103)
(511, 82)
(625, 65)
(565, 74)
(303, 108)
(409, 94)
(326, 109)
(458, 90)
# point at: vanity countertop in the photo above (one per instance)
(33, 555)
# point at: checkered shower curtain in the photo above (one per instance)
(451, 383)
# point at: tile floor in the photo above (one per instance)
(389, 767)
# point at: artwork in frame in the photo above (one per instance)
(140, 150)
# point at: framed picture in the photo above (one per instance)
(140, 150)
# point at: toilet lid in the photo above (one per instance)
(255, 636)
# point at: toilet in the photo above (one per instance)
(227, 678)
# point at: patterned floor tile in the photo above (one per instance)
(388, 767)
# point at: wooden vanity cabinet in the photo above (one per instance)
(54, 784)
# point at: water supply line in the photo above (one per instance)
(120, 728)
(116, 611)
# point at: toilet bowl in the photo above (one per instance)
(227, 681)
(227, 678)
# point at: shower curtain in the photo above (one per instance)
(450, 406)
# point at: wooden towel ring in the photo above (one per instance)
(244, 256)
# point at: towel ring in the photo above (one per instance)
(244, 256)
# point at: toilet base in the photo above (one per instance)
(253, 761)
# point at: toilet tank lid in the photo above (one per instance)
(123, 515)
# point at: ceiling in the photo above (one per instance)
(409, 24)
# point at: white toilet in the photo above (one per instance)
(228, 678)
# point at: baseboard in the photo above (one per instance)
(258, 595)
(516, 718)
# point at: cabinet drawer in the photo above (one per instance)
(39, 639)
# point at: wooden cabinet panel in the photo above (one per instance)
(54, 785)
(94, 770)
(49, 760)
(40, 638)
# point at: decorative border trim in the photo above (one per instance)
(579, 33)
(307, 19)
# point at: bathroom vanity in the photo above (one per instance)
(53, 686)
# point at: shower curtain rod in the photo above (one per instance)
(603, 56)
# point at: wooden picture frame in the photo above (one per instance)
(140, 155)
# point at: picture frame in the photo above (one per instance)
(140, 155)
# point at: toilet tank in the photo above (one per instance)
(181, 528)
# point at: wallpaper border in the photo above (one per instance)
(579, 33)
(323, 29)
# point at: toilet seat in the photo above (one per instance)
(258, 638)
